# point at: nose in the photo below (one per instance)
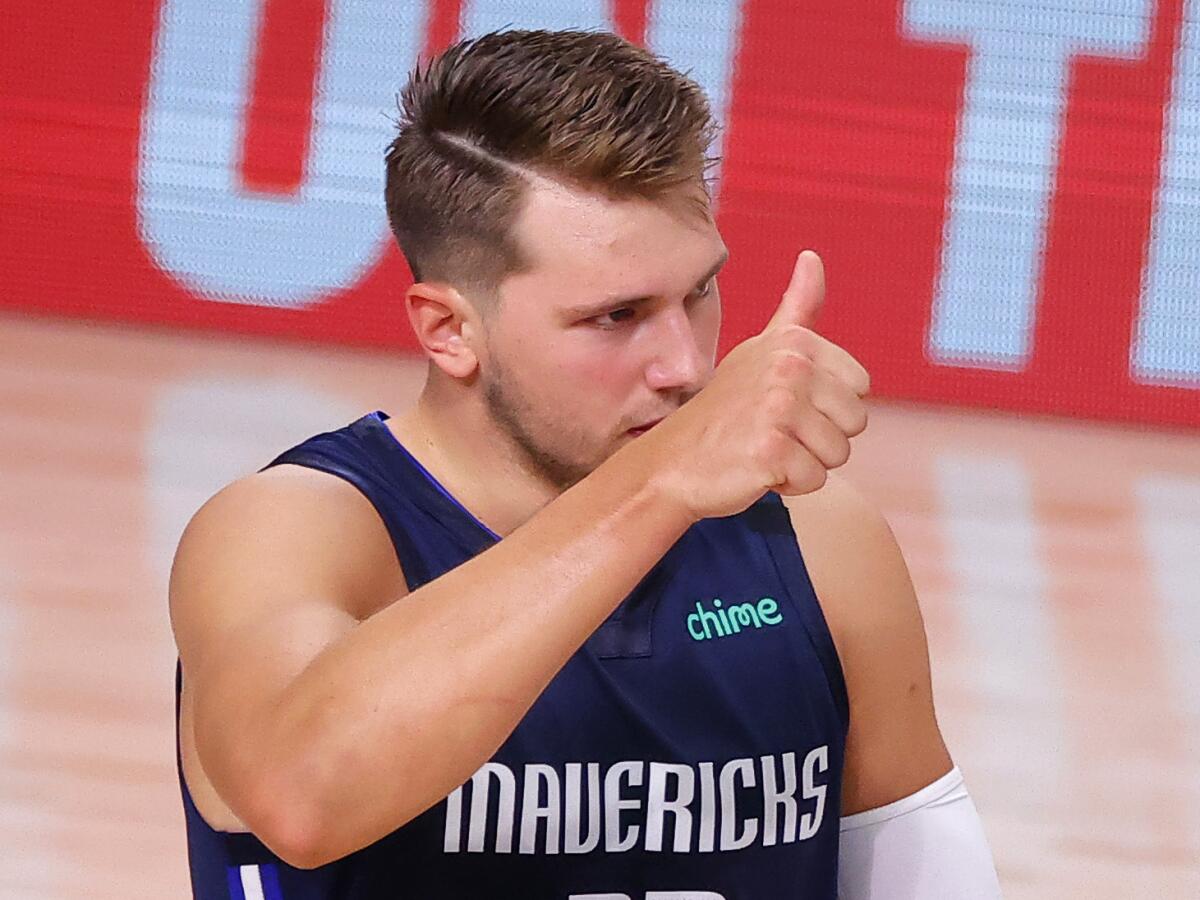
(677, 362)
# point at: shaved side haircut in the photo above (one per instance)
(479, 120)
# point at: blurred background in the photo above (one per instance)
(196, 273)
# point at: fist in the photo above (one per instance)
(778, 414)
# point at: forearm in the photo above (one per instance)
(387, 720)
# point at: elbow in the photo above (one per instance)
(308, 819)
(281, 809)
(294, 841)
(275, 799)
(307, 832)
(291, 828)
(302, 805)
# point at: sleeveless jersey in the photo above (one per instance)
(691, 749)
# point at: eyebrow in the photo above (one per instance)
(587, 310)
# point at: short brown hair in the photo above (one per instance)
(587, 108)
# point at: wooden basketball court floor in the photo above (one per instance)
(1058, 565)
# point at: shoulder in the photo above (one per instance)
(286, 500)
(854, 562)
(287, 525)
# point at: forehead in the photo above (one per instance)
(592, 245)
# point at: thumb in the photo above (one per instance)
(804, 295)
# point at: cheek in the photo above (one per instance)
(590, 383)
(596, 378)
(591, 360)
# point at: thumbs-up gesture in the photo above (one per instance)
(778, 413)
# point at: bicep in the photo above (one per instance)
(268, 574)
(894, 746)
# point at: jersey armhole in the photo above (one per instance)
(412, 569)
(773, 522)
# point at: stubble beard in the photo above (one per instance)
(522, 425)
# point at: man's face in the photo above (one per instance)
(613, 326)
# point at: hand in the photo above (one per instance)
(778, 414)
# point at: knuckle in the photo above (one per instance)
(791, 366)
(777, 401)
(774, 444)
(768, 450)
(763, 462)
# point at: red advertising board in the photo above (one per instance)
(1007, 201)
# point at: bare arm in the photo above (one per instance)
(909, 827)
(324, 724)
(894, 746)
(323, 732)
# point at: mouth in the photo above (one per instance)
(642, 429)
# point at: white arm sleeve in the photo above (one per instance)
(927, 846)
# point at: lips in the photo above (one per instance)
(642, 429)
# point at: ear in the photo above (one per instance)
(446, 325)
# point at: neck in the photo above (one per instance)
(451, 434)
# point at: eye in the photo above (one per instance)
(615, 317)
(705, 289)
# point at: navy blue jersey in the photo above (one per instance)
(691, 749)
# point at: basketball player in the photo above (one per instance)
(591, 620)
